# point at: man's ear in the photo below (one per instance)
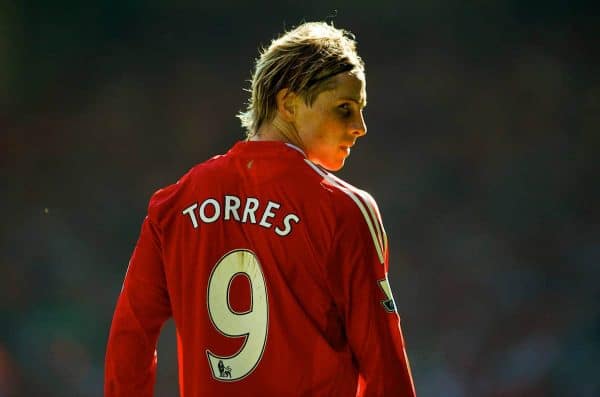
(286, 105)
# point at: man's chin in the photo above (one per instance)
(333, 167)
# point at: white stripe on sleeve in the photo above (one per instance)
(372, 220)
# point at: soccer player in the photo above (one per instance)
(274, 270)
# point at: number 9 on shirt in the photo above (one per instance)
(253, 324)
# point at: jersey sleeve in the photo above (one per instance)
(142, 308)
(365, 300)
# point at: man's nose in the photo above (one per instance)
(359, 127)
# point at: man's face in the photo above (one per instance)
(332, 124)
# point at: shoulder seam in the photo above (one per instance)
(370, 203)
(365, 204)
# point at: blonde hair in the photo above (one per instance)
(302, 60)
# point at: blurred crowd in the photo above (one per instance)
(482, 152)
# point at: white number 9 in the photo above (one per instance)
(252, 325)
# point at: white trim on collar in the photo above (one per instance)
(296, 148)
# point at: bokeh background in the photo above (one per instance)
(482, 152)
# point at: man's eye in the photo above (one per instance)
(345, 107)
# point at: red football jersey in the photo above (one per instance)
(275, 272)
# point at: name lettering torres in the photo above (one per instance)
(234, 208)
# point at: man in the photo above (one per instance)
(274, 270)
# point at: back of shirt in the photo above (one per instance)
(275, 274)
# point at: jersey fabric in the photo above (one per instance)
(275, 272)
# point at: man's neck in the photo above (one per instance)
(278, 130)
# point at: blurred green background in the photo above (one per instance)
(482, 152)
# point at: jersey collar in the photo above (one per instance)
(296, 148)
